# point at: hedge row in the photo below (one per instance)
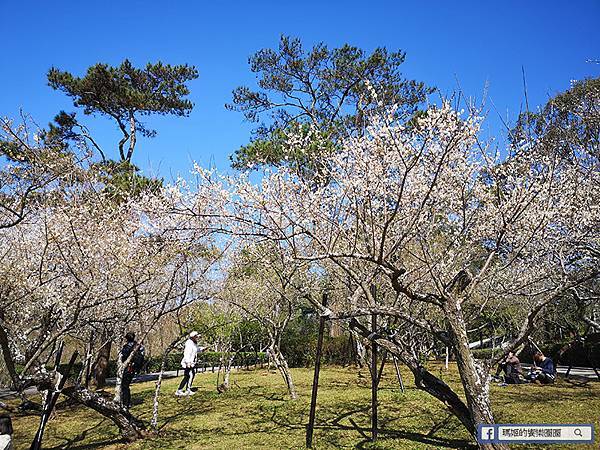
(204, 359)
(300, 351)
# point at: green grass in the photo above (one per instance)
(255, 413)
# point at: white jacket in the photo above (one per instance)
(189, 354)
(6, 442)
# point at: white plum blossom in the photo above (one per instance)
(454, 226)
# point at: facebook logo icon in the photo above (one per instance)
(575, 433)
(486, 433)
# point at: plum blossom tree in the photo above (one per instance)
(455, 229)
(263, 285)
(30, 172)
(52, 285)
(79, 263)
(29, 168)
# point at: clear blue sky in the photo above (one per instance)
(473, 42)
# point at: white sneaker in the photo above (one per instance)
(180, 393)
(190, 393)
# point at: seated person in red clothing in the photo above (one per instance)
(511, 366)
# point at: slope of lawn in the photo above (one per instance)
(255, 413)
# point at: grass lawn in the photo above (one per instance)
(255, 413)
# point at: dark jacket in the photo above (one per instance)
(547, 366)
(137, 362)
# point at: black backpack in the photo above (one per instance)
(137, 362)
(139, 359)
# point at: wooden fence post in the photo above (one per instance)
(315, 386)
(374, 372)
(398, 374)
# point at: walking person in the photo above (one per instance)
(6, 432)
(132, 369)
(188, 363)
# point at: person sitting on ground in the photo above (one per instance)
(543, 370)
(133, 368)
(511, 366)
(6, 431)
(188, 363)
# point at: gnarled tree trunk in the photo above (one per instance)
(119, 379)
(130, 427)
(8, 373)
(5, 380)
(429, 383)
(100, 369)
(474, 377)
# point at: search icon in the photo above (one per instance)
(577, 432)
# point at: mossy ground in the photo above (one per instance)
(255, 413)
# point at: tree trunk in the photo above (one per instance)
(226, 364)
(228, 372)
(8, 373)
(100, 370)
(51, 397)
(424, 379)
(163, 365)
(282, 366)
(474, 377)
(119, 378)
(130, 427)
(431, 384)
(361, 353)
(132, 135)
(219, 373)
(154, 421)
(5, 381)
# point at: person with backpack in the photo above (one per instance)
(133, 368)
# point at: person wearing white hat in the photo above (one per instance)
(188, 363)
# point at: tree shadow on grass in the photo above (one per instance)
(365, 433)
(71, 444)
(188, 410)
(429, 438)
(347, 411)
(579, 381)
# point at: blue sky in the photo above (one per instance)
(472, 42)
